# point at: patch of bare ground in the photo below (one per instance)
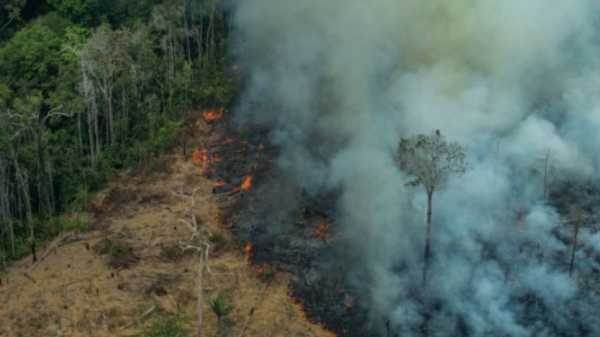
(118, 278)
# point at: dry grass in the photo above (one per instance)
(79, 294)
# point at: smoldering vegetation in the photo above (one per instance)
(339, 83)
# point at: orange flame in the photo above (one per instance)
(322, 231)
(263, 268)
(247, 183)
(213, 115)
(200, 157)
(248, 251)
(227, 141)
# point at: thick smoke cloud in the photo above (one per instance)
(340, 81)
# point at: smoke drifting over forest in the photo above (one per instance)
(341, 81)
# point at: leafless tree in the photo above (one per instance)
(430, 160)
(546, 169)
(198, 243)
(578, 217)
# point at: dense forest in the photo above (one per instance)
(88, 87)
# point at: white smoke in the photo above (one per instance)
(340, 81)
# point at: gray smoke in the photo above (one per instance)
(341, 81)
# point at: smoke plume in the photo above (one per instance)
(341, 81)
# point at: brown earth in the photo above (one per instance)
(81, 292)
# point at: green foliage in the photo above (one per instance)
(120, 253)
(31, 59)
(166, 136)
(78, 11)
(10, 15)
(89, 87)
(22, 248)
(118, 250)
(216, 89)
(65, 223)
(167, 326)
(221, 306)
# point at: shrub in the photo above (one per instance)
(167, 326)
(221, 307)
(80, 222)
(120, 253)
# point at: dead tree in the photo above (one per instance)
(546, 169)
(578, 218)
(430, 160)
(197, 243)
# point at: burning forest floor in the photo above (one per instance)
(282, 226)
(128, 272)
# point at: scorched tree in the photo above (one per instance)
(430, 160)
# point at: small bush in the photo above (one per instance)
(221, 306)
(122, 256)
(120, 253)
(172, 253)
(167, 326)
(66, 223)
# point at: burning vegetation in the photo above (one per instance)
(247, 183)
(248, 249)
(322, 231)
(213, 115)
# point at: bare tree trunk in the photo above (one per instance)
(200, 42)
(97, 143)
(186, 27)
(91, 141)
(80, 134)
(111, 118)
(546, 166)
(574, 248)
(11, 234)
(427, 252)
(210, 36)
(22, 180)
(200, 292)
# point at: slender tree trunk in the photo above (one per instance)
(52, 196)
(98, 144)
(200, 42)
(210, 37)
(27, 201)
(574, 248)
(202, 260)
(80, 134)
(546, 163)
(427, 252)
(11, 235)
(111, 118)
(91, 141)
(186, 26)
(5, 212)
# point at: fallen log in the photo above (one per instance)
(53, 245)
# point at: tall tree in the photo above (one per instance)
(10, 13)
(577, 218)
(431, 160)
